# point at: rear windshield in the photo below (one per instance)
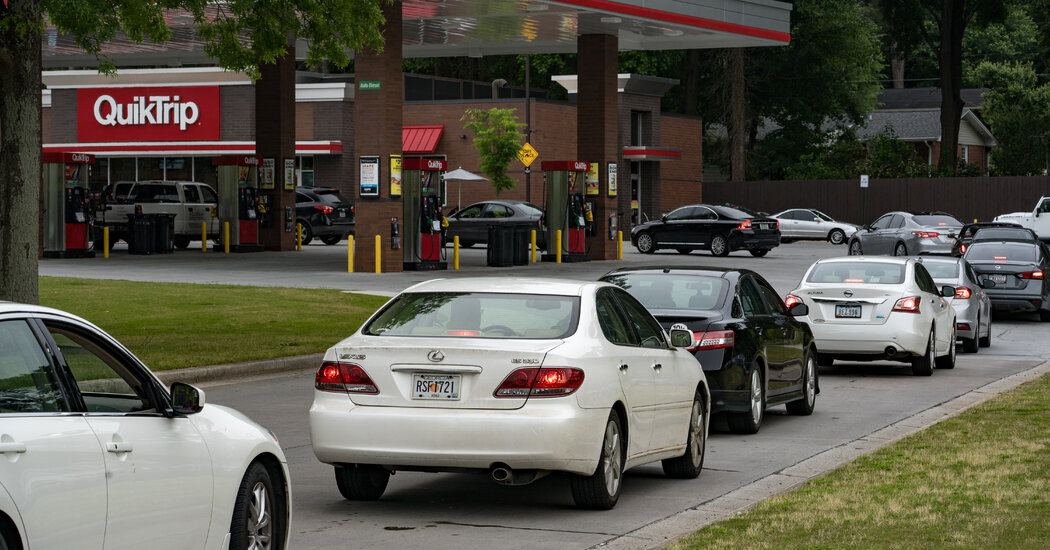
(529, 208)
(1015, 252)
(942, 270)
(478, 315)
(737, 213)
(156, 193)
(331, 197)
(993, 233)
(857, 273)
(937, 221)
(669, 291)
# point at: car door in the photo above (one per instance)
(771, 334)
(943, 313)
(210, 200)
(157, 467)
(468, 224)
(51, 464)
(873, 241)
(190, 223)
(677, 228)
(1041, 218)
(811, 224)
(789, 344)
(791, 225)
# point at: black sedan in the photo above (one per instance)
(753, 351)
(324, 213)
(471, 224)
(1013, 274)
(991, 231)
(720, 229)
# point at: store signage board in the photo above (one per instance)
(368, 176)
(864, 181)
(612, 179)
(527, 154)
(289, 174)
(161, 113)
(368, 85)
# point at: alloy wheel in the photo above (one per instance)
(612, 458)
(756, 397)
(259, 513)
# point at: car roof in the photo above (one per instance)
(18, 307)
(508, 285)
(939, 259)
(879, 259)
(680, 269)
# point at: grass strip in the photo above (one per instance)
(978, 480)
(175, 325)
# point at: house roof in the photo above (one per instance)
(924, 98)
(923, 125)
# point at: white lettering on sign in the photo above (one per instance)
(581, 165)
(80, 157)
(156, 109)
(251, 161)
(435, 164)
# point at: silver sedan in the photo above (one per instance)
(973, 307)
(799, 224)
(907, 233)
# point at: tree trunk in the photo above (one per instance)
(692, 82)
(953, 24)
(20, 205)
(737, 116)
(896, 66)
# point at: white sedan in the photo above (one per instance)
(514, 377)
(97, 453)
(799, 224)
(878, 308)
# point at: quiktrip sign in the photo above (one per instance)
(164, 113)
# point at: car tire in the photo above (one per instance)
(837, 236)
(684, 250)
(749, 422)
(759, 252)
(1044, 315)
(601, 490)
(719, 246)
(923, 366)
(258, 514)
(804, 406)
(985, 341)
(786, 241)
(970, 344)
(645, 243)
(947, 361)
(855, 249)
(181, 242)
(465, 244)
(824, 360)
(307, 232)
(361, 481)
(331, 240)
(900, 250)
(689, 465)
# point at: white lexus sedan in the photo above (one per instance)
(96, 453)
(514, 377)
(878, 308)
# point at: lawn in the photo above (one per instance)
(978, 480)
(172, 326)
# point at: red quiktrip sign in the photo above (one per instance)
(168, 113)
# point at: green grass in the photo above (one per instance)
(978, 480)
(172, 326)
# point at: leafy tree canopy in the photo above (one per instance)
(497, 137)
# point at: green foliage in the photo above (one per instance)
(879, 156)
(497, 137)
(1017, 109)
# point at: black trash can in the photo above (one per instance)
(501, 246)
(164, 233)
(142, 233)
(522, 242)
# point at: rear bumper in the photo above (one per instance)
(1017, 302)
(860, 340)
(748, 240)
(925, 246)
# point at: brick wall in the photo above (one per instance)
(45, 125)
(681, 180)
(63, 116)
(238, 113)
(304, 120)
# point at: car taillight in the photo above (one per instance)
(962, 326)
(343, 377)
(1031, 275)
(962, 248)
(712, 339)
(325, 209)
(746, 224)
(963, 292)
(907, 305)
(926, 234)
(791, 300)
(540, 382)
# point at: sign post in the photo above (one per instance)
(863, 196)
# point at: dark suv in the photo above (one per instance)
(324, 213)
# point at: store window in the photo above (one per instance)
(122, 169)
(306, 171)
(150, 168)
(178, 168)
(98, 174)
(205, 172)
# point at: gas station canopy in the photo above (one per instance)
(476, 28)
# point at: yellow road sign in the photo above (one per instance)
(527, 154)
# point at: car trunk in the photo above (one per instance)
(864, 305)
(1004, 273)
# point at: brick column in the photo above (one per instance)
(275, 138)
(377, 123)
(596, 128)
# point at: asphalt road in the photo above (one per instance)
(462, 511)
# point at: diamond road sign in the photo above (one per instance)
(527, 154)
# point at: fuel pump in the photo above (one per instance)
(67, 206)
(239, 201)
(422, 235)
(566, 211)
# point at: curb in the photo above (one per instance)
(682, 524)
(248, 369)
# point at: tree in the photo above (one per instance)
(497, 137)
(1017, 108)
(239, 34)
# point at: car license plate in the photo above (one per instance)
(342, 213)
(435, 386)
(998, 279)
(847, 312)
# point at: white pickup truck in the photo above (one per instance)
(190, 202)
(1037, 220)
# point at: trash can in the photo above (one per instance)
(163, 232)
(522, 240)
(501, 246)
(142, 231)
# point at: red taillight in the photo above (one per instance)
(746, 224)
(1031, 275)
(962, 248)
(791, 300)
(963, 292)
(325, 209)
(340, 377)
(962, 326)
(926, 234)
(463, 333)
(712, 339)
(907, 305)
(540, 382)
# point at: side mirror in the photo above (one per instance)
(987, 283)
(798, 310)
(681, 338)
(186, 399)
(663, 218)
(947, 291)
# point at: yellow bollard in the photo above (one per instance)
(226, 237)
(533, 246)
(619, 245)
(557, 256)
(298, 236)
(204, 236)
(455, 252)
(379, 253)
(105, 241)
(349, 253)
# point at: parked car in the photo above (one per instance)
(973, 307)
(990, 231)
(720, 229)
(97, 453)
(471, 224)
(878, 308)
(1014, 274)
(323, 212)
(754, 353)
(1037, 219)
(191, 203)
(907, 233)
(807, 224)
(515, 378)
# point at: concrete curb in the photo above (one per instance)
(248, 369)
(668, 530)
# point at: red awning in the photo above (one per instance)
(418, 140)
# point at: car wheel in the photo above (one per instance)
(947, 361)
(804, 406)
(1044, 315)
(9, 538)
(645, 243)
(258, 514)
(688, 465)
(684, 250)
(900, 250)
(466, 244)
(749, 422)
(855, 249)
(331, 240)
(719, 246)
(601, 490)
(759, 252)
(307, 233)
(923, 366)
(181, 242)
(970, 344)
(837, 236)
(985, 341)
(361, 481)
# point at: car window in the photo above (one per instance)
(529, 209)
(673, 291)
(299, 197)
(823, 216)
(208, 195)
(771, 298)
(987, 250)
(156, 193)
(106, 380)
(995, 233)
(331, 197)
(496, 211)
(477, 315)
(122, 191)
(937, 220)
(896, 222)
(942, 270)
(470, 212)
(27, 381)
(791, 215)
(750, 299)
(613, 324)
(705, 213)
(648, 329)
(683, 213)
(883, 222)
(191, 193)
(923, 279)
(738, 213)
(857, 273)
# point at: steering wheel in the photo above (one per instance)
(500, 329)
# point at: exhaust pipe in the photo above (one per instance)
(504, 475)
(501, 474)
(891, 351)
